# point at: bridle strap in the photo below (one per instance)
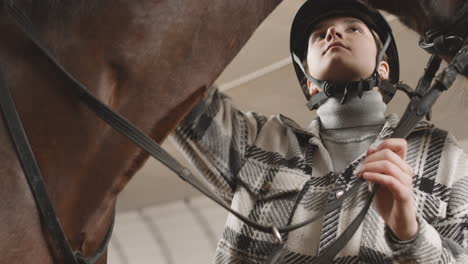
(102, 249)
(35, 180)
(421, 105)
(447, 40)
(342, 240)
(31, 170)
(140, 139)
(154, 149)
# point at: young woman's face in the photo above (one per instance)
(341, 49)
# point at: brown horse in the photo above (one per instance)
(422, 16)
(148, 60)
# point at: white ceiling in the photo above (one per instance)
(261, 78)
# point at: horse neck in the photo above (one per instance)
(68, 141)
(148, 61)
(83, 162)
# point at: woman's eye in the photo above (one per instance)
(355, 29)
(318, 37)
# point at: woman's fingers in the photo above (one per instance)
(389, 155)
(398, 189)
(397, 145)
(387, 168)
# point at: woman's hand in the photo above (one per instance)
(386, 165)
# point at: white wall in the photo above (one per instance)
(180, 232)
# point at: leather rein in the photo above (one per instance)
(420, 105)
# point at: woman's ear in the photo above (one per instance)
(384, 70)
(313, 89)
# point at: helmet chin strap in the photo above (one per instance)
(343, 89)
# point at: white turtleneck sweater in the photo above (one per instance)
(348, 130)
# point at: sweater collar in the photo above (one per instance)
(313, 130)
(391, 121)
(369, 110)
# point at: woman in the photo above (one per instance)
(275, 172)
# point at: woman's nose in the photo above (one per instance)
(333, 33)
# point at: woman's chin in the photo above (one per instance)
(341, 69)
(342, 73)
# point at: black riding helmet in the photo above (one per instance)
(314, 11)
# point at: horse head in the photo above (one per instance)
(148, 60)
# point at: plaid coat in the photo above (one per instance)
(275, 172)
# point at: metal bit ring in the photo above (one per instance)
(277, 235)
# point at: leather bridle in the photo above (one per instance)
(447, 40)
(420, 105)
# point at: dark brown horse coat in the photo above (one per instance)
(421, 16)
(149, 60)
